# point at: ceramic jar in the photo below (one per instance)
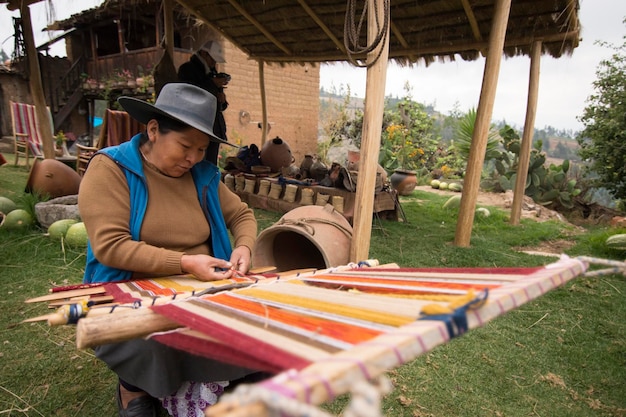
(403, 181)
(52, 178)
(276, 154)
(305, 166)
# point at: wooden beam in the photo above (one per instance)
(168, 23)
(527, 136)
(471, 17)
(259, 26)
(44, 122)
(370, 144)
(471, 184)
(472, 20)
(400, 37)
(420, 51)
(323, 26)
(264, 128)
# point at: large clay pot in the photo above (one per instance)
(403, 181)
(305, 237)
(276, 154)
(52, 178)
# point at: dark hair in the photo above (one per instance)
(166, 125)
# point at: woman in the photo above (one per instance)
(153, 206)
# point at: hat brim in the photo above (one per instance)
(144, 112)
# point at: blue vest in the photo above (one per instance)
(206, 177)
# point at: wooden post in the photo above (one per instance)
(36, 88)
(264, 127)
(471, 183)
(527, 137)
(370, 144)
(168, 23)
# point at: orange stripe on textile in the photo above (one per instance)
(172, 286)
(349, 333)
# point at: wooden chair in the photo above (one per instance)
(83, 157)
(26, 135)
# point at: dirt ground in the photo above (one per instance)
(530, 210)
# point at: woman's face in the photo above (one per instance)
(175, 152)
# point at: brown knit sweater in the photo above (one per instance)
(173, 225)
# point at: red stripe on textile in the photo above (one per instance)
(238, 341)
(213, 350)
(115, 290)
(403, 282)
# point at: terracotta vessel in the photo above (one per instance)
(52, 178)
(276, 154)
(403, 181)
(305, 166)
(305, 237)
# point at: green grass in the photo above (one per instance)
(561, 355)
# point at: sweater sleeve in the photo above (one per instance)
(239, 218)
(104, 206)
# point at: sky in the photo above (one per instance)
(564, 84)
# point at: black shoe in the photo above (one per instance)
(139, 407)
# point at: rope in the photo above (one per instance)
(352, 30)
(365, 400)
(616, 267)
(305, 224)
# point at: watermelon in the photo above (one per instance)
(76, 235)
(7, 205)
(18, 219)
(58, 229)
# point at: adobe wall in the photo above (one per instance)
(292, 97)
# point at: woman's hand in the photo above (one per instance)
(240, 259)
(207, 268)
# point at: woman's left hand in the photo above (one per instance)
(240, 258)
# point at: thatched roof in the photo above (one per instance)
(421, 31)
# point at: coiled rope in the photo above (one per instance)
(352, 31)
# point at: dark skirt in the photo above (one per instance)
(159, 370)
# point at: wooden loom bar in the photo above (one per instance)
(325, 379)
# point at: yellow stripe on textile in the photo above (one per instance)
(329, 307)
(429, 297)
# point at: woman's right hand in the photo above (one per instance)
(206, 268)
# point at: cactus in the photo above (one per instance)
(549, 186)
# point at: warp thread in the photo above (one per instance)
(454, 315)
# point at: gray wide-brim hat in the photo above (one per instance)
(183, 102)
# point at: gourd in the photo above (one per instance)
(617, 241)
(435, 183)
(455, 186)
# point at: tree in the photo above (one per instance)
(603, 139)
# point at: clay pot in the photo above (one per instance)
(403, 181)
(318, 170)
(276, 154)
(352, 163)
(52, 178)
(306, 237)
(305, 166)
